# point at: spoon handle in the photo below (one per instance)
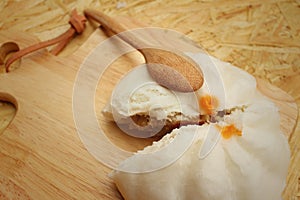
(114, 26)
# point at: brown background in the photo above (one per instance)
(262, 37)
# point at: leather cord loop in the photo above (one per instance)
(77, 23)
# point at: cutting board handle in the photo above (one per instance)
(9, 98)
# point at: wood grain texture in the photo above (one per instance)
(41, 151)
(261, 37)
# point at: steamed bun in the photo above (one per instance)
(251, 165)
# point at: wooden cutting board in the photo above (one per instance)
(41, 154)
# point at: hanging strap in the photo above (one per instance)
(77, 23)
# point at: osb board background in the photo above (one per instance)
(262, 37)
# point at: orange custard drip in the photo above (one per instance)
(229, 131)
(208, 103)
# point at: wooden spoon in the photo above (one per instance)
(172, 70)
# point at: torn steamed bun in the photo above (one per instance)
(249, 162)
(139, 103)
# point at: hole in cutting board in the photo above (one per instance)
(6, 50)
(8, 109)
